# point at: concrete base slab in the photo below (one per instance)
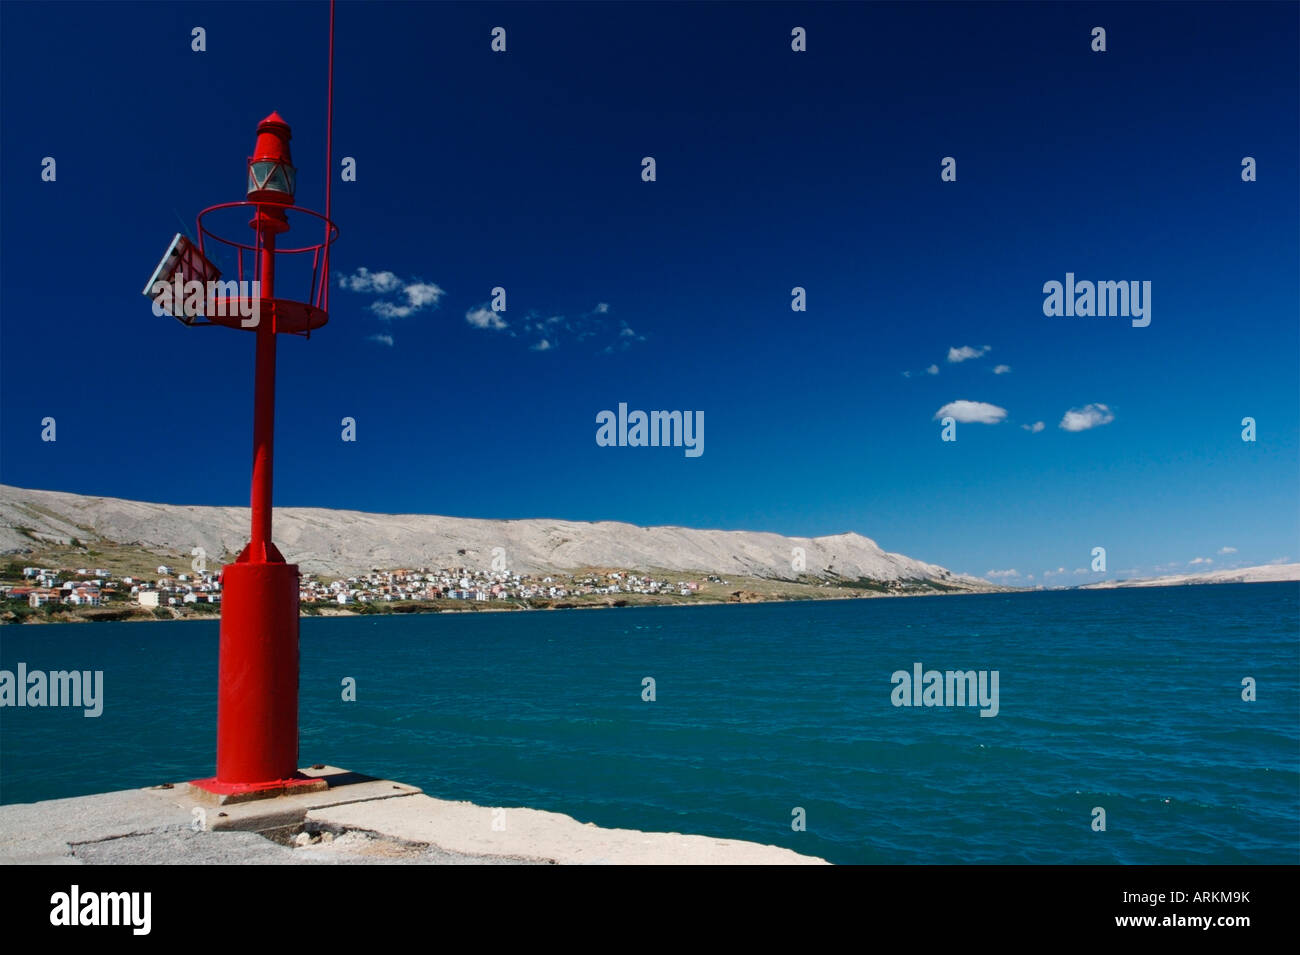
(224, 794)
(334, 787)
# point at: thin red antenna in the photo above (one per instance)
(329, 165)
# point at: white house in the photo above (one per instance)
(83, 597)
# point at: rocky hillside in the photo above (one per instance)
(346, 542)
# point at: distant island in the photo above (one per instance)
(1263, 574)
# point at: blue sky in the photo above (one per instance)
(775, 169)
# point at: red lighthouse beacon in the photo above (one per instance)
(257, 703)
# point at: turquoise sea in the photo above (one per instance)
(1130, 700)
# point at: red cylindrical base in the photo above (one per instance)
(257, 696)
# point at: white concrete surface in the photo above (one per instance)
(358, 820)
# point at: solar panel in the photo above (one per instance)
(182, 263)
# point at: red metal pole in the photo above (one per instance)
(264, 403)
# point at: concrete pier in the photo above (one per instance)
(352, 819)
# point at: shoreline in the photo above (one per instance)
(141, 615)
(144, 615)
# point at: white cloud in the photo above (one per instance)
(1002, 369)
(382, 339)
(1227, 550)
(363, 280)
(550, 331)
(1200, 560)
(420, 294)
(932, 370)
(971, 412)
(907, 374)
(626, 337)
(1034, 428)
(966, 352)
(417, 295)
(1001, 574)
(484, 317)
(389, 310)
(1089, 416)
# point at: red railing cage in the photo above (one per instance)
(300, 271)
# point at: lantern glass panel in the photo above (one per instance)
(261, 171)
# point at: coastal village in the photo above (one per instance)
(168, 589)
